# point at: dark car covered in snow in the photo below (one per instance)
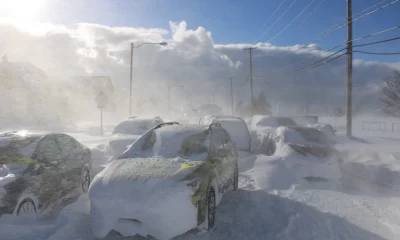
(311, 152)
(40, 173)
(262, 129)
(168, 182)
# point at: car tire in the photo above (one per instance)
(26, 206)
(235, 181)
(270, 151)
(211, 207)
(85, 178)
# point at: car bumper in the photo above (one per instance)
(160, 208)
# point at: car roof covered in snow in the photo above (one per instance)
(8, 137)
(169, 138)
(178, 129)
(136, 125)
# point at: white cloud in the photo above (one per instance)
(191, 58)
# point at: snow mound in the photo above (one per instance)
(372, 171)
(248, 214)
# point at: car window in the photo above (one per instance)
(47, 149)
(135, 127)
(219, 140)
(67, 144)
(313, 135)
(149, 141)
(286, 122)
(194, 144)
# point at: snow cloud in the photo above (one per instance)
(191, 58)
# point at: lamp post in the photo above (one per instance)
(169, 89)
(131, 66)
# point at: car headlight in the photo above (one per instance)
(194, 184)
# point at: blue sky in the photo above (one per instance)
(238, 21)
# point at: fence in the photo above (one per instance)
(380, 126)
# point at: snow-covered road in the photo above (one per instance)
(268, 207)
(253, 213)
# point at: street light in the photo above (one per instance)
(131, 66)
(169, 89)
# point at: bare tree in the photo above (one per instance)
(391, 95)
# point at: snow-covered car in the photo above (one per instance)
(262, 127)
(310, 152)
(326, 128)
(128, 131)
(235, 126)
(41, 173)
(167, 183)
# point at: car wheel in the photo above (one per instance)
(85, 178)
(270, 151)
(211, 206)
(26, 207)
(236, 178)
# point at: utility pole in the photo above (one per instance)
(130, 83)
(349, 67)
(231, 95)
(101, 122)
(251, 77)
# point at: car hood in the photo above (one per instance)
(143, 169)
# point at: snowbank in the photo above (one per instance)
(376, 172)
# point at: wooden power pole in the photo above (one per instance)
(231, 95)
(349, 68)
(251, 76)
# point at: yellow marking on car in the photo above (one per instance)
(188, 165)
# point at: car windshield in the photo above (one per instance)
(14, 149)
(134, 127)
(286, 122)
(183, 144)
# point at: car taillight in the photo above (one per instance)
(194, 184)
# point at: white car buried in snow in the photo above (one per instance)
(235, 126)
(128, 131)
(309, 152)
(167, 183)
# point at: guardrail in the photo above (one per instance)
(374, 125)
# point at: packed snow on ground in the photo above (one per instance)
(279, 207)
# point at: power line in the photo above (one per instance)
(317, 63)
(377, 42)
(290, 24)
(364, 10)
(345, 24)
(310, 67)
(276, 10)
(266, 31)
(312, 11)
(333, 48)
(378, 53)
(325, 60)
